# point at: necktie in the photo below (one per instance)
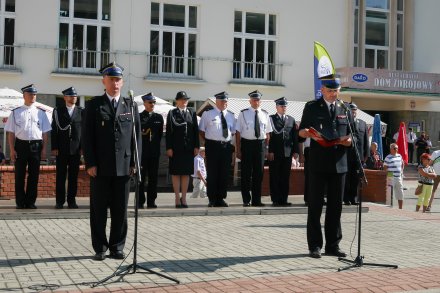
(332, 111)
(224, 125)
(257, 125)
(115, 104)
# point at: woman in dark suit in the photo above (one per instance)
(182, 143)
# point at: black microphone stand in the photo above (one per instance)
(134, 266)
(359, 260)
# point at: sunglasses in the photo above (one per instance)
(151, 102)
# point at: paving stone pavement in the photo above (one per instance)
(230, 250)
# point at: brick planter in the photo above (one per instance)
(46, 182)
(375, 191)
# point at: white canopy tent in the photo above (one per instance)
(9, 100)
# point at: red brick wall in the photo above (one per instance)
(375, 191)
(46, 182)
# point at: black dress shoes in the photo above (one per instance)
(118, 254)
(347, 203)
(99, 256)
(31, 206)
(259, 204)
(246, 204)
(152, 206)
(221, 204)
(58, 206)
(20, 206)
(335, 252)
(315, 253)
(286, 204)
(72, 205)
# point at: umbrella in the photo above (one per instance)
(377, 137)
(402, 143)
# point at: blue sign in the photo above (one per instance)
(359, 77)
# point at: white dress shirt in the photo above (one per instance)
(211, 124)
(246, 121)
(28, 123)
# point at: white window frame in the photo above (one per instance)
(4, 15)
(186, 30)
(99, 23)
(266, 37)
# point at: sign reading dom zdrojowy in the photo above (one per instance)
(389, 80)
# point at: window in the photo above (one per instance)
(372, 46)
(173, 40)
(254, 46)
(7, 33)
(84, 45)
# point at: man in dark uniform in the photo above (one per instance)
(27, 128)
(283, 145)
(325, 122)
(252, 139)
(152, 130)
(360, 133)
(109, 153)
(66, 146)
(217, 127)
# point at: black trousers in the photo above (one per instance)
(109, 192)
(410, 152)
(149, 171)
(306, 175)
(331, 184)
(218, 167)
(28, 155)
(252, 164)
(67, 166)
(352, 181)
(279, 172)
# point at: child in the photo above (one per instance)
(199, 176)
(426, 178)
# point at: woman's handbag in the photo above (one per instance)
(419, 189)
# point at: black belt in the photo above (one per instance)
(29, 141)
(245, 139)
(218, 141)
(426, 183)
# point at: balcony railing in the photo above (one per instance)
(256, 72)
(174, 66)
(8, 56)
(82, 61)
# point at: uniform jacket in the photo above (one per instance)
(152, 130)
(182, 133)
(284, 137)
(361, 136)
(326, 159)
(107, 136)
(68, 141)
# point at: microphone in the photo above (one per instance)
(131, 94)
(344, 106)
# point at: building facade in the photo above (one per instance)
(208, 46)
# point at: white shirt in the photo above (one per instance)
(28, 123)
(70, 110)
(411, 137)
(435, 157)
(246, 120)
(111, 99)
(199, 165)
(211, 124)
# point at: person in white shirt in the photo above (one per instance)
(28, 127)
(199, 176)
(435, 162)
(252, 139)
(393, 163)
(411, 139)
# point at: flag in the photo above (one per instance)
(402, 143)
(323, 66)
(377, 135)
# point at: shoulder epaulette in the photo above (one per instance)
(264, 111)
(16, 108)
(243, 110)
(230, 112)
(311, 102)
(39, 107)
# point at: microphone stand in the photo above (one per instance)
(134, 266)
(359, 260)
